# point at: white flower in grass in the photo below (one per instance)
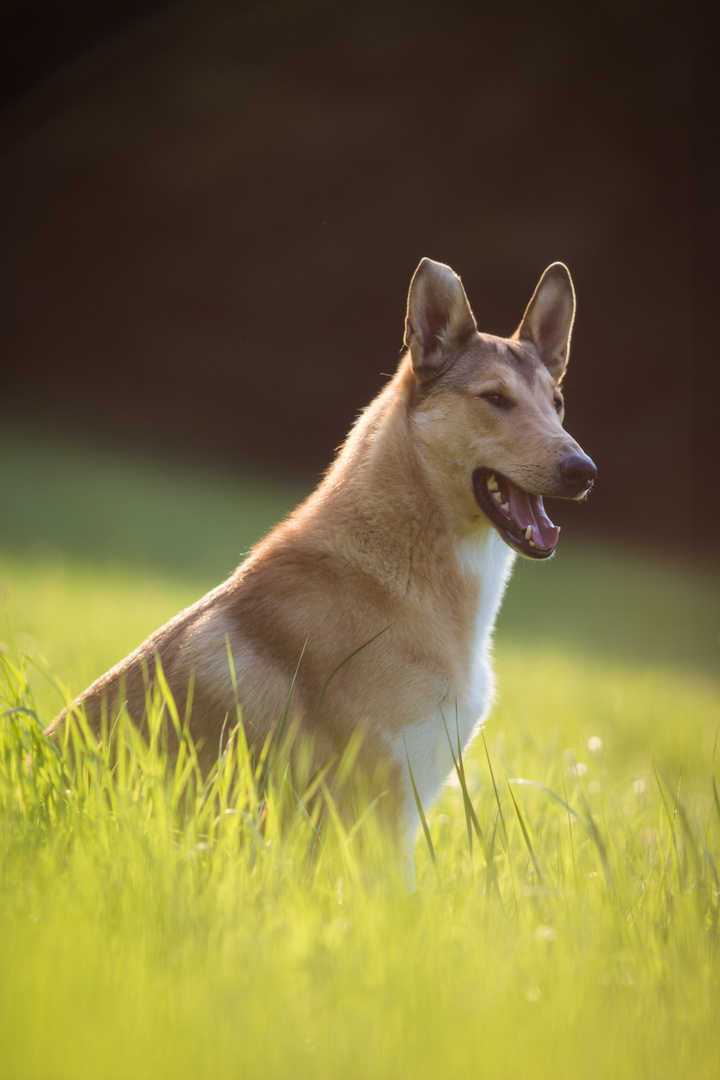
(595, 744)
(578, 769)
(639, 787)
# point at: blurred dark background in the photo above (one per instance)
(210, 213)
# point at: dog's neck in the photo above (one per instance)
(396, 525)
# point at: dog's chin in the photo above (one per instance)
(518, 516)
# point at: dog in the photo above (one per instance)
(372, 606)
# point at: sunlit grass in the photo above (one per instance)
(569, 926)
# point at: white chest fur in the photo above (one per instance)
(425, 743)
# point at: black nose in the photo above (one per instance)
(578, 471)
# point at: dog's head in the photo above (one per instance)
(489, 411)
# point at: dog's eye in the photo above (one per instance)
(497, 399)
(558, 402)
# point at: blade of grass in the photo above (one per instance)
(598, 842)
(506, 844)
(342, 663)
(572, 842)
(421, 812)
(471, 820)
(283, 722)
(526, 835)
(497, 796)
(460, 772)
(553, 794)
(670, 816)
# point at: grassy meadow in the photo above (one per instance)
(566, 922)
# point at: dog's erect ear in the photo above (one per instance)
(438, 318)
(548, 320)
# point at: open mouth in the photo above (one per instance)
(517, 515)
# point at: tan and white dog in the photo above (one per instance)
(398, 560)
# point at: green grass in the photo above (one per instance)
(148, 932)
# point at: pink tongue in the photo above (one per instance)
(529, 510)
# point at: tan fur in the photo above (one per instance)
(392, 545)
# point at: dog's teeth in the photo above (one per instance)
(505, 507)
(528, 533)
(497, 497)
(532, 544)
(492, 484)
